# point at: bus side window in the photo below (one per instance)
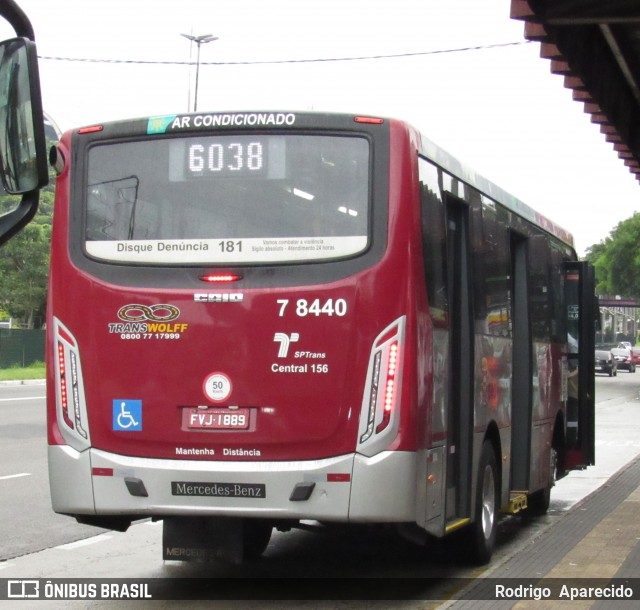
(492, 273)
(433, 242)
(541, 289)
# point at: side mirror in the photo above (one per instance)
(21, 121)
(23, 157)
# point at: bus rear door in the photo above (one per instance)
(581, 316)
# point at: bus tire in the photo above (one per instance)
(482, 532)
(539, 502)
(257, 534)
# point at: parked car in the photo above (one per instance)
(635, 352)
(624, 359)
(605, 362)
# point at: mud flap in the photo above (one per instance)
(203, 539)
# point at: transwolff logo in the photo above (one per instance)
(137, 318)
(155, 313)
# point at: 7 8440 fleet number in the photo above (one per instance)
(304, 307)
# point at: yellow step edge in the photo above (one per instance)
(457, 524)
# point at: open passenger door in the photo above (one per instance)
(581, 317)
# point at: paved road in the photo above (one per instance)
(73, 551)
(27, 523)
(617, 437)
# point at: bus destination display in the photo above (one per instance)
(221, 157)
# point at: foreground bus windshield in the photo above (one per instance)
(228, 199)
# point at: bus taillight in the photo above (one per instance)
(377, 422)
(72, 410)
(91, 129)
(220, 278)
(390, 387)
(368, 119)
(62, 373)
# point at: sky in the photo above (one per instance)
(497, 108)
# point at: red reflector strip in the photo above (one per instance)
(92, 129)
(368, 119)
(66, 336)
(102, 472)
(338, 477)
(387, 337)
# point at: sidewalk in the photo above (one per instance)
(599, 538)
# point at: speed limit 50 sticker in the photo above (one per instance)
(217, 387)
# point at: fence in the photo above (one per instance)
(21, 347)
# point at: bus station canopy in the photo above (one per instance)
(595, 45)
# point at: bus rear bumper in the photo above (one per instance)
(343, 488)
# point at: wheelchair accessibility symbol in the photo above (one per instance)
(127, 415)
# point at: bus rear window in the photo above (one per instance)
(228, 199)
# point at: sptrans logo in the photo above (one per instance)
(148, 322)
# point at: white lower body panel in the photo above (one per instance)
(351, 487)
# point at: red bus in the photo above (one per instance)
(262, 318)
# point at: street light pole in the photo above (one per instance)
(199, 40)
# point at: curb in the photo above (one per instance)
(23, 382)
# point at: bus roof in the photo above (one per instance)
(452, 165)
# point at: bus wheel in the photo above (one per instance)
(257, 535)
(482, 533)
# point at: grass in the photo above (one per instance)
(33, 371)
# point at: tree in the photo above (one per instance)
(24, 266)
(24, 262)
(617, 260)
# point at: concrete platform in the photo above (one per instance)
(597, 540)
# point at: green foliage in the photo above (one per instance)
(617, 260)
(24, 262)
(33, 371)
(24, 265)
